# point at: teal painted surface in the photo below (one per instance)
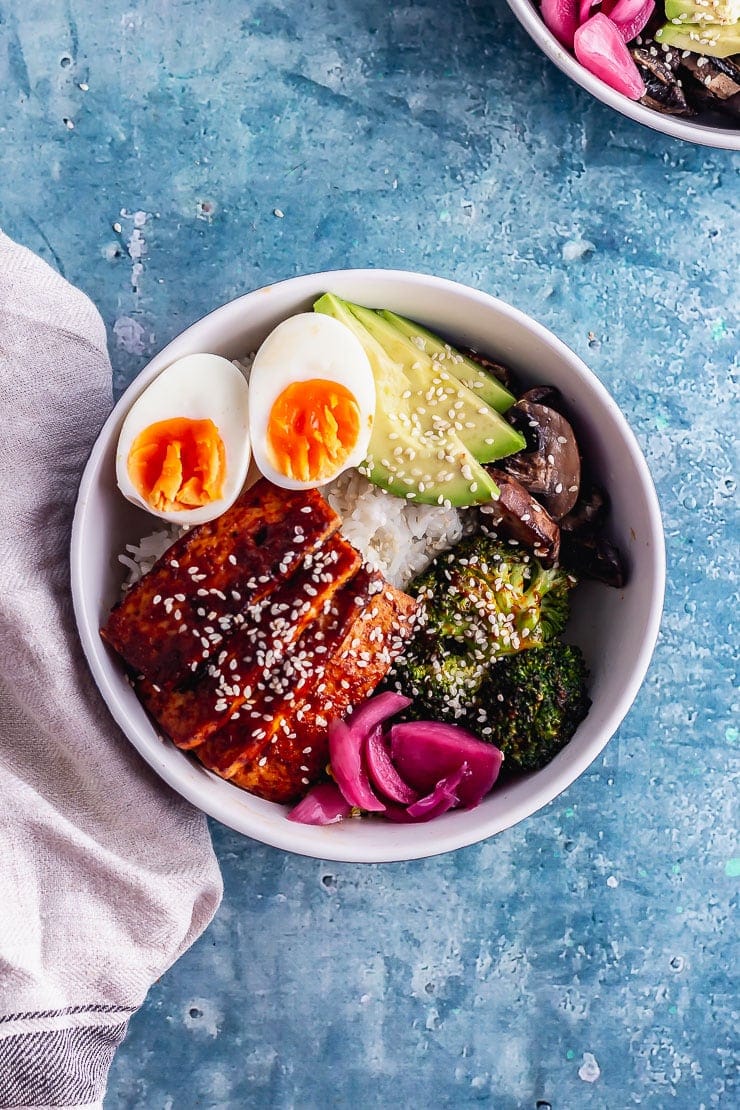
(169, 156)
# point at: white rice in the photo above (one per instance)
(396, 537)
(142, 556)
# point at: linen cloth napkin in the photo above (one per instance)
(106, 876)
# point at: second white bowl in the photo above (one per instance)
(727, 138)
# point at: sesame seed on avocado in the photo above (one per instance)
(420, 446)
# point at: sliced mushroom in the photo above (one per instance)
(731, 107)
(721, 76)
(663, 89)
(543, 395)
(518, 516)
(583, 550)
(711, 107)
(550, 467)
(589, 556)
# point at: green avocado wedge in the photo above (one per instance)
(466, 370)
(410, 456)
(702, 11)
(441, 395)
(712, 39)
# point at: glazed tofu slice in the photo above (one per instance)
(189, 713)
(300, 752)
(177, 618)
(245, 738)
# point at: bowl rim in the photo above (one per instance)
(722, 138)
(316, 841)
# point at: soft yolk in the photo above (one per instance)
(312, 428)
(178, 464)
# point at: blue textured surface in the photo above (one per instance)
(168, 156)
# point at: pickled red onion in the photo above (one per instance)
(345, 754)
(383, 775)
(584, 10)
(446, 764)
(375, 710)
(561, 17)
(600, 48)
(630, 17)
(427, 751)
(323, 805)
(442, 798)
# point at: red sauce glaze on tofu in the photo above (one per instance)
(280, 691)
(298, 756)
(179, 615)
(268, 629)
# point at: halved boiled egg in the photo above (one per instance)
(312, 402)
(183, 451)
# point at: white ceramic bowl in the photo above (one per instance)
(616, 629)
(528, 15)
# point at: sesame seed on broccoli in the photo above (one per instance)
(479, 602)
(485, 655)
(488, 599)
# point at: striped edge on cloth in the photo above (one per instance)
(59, 1057)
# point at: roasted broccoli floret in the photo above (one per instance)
(486, 599)
(443, 685)
(480, 602)
(532, 703)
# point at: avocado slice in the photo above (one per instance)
(438, 393)
(466, 370)
(702, 38)
(702, 11)
(438, 470)
(408, 455)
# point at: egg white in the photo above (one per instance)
(308, 345)
(199, 387)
